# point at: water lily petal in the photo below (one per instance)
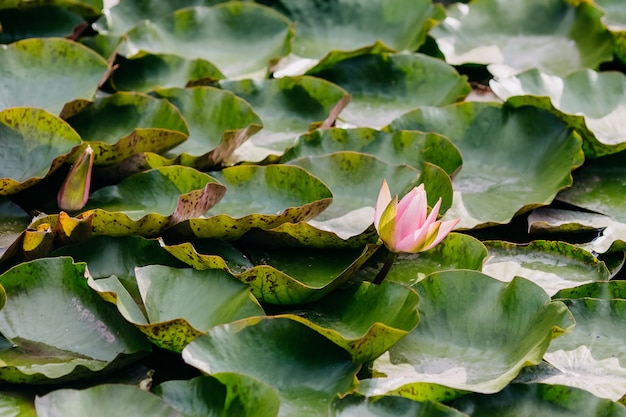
(75, 189)
(384, 198)
(387, 225)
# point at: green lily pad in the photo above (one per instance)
(290, 277)
(219, 122)
(385, 86)
(14, 404)
(180, 304)
(149, 202)
(351, 25)
(390, 406)
(391, 315)
(259, 197)
(550, 35)
(34, 144)
(126, 14)
(151, 72)
(593, 355)
(455, 251)
(239, 38)
(13, 220)
(474, 334)
(515, 159)
(610, 232)
(355, 179)
(47, 60)
(599, 187)
(605, 290)
(551, 265)
(403, 147)
(306, 369)
(37, 22)
(111, 399)
(112, 117)
(57, 328)
(594, 103)
(287, 106)
(206, 396)
(85, 8)
(539, 400)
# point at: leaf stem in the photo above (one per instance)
(380, 277)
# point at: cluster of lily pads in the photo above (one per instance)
(225, 260)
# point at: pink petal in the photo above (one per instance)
(413, 216)
(445, 228)
(384, 198)
(409, 197)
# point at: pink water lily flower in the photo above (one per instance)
(406, 226)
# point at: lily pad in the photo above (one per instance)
(290, 277)
(391, 406)
(598, 186)
(539, 400)
(151, 72)
(126, 14)
(306, 369)
(111, 399)
(180, 304)
(403, 147)
(239, 38)
(351, 25)
(219, 122)
(259, 197)
(355, 178)
(34, 144)
(37, 22)
(112, 117)
(14, 404)
(13, 220)
(206, 396)
(391, 315)
(550, 35)
(605, 290)
(515, 158)
(385, 86)
(287, 106)
(85, 8)
(594, 103)
(610, 232)
(475, 334)
(47, 60)
(551, 265)
(57, 328)
(593, 355)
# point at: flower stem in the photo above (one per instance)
(380, 277)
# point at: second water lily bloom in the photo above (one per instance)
(406, 226)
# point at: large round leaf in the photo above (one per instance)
(219, 122)
(366, 334)
(539, 400)
(239, 38)
(593, 355)
(36, 73)
(58, 327)
(112, 117)
(151, 72)
(384, 86)
(475, 334)
(85, 8)
(515, 36)
(37, 22)
(34, 143)
(594, 103)
(278, 276)
(103, 401)
(288, 106)
(355, 178)
(305, 368)
(180, 304)
(206, 396)
(403, 147)
(350, 25)
(599, 187)
(126, 14)
(514, 158)
(551, 265)
(262, 197)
